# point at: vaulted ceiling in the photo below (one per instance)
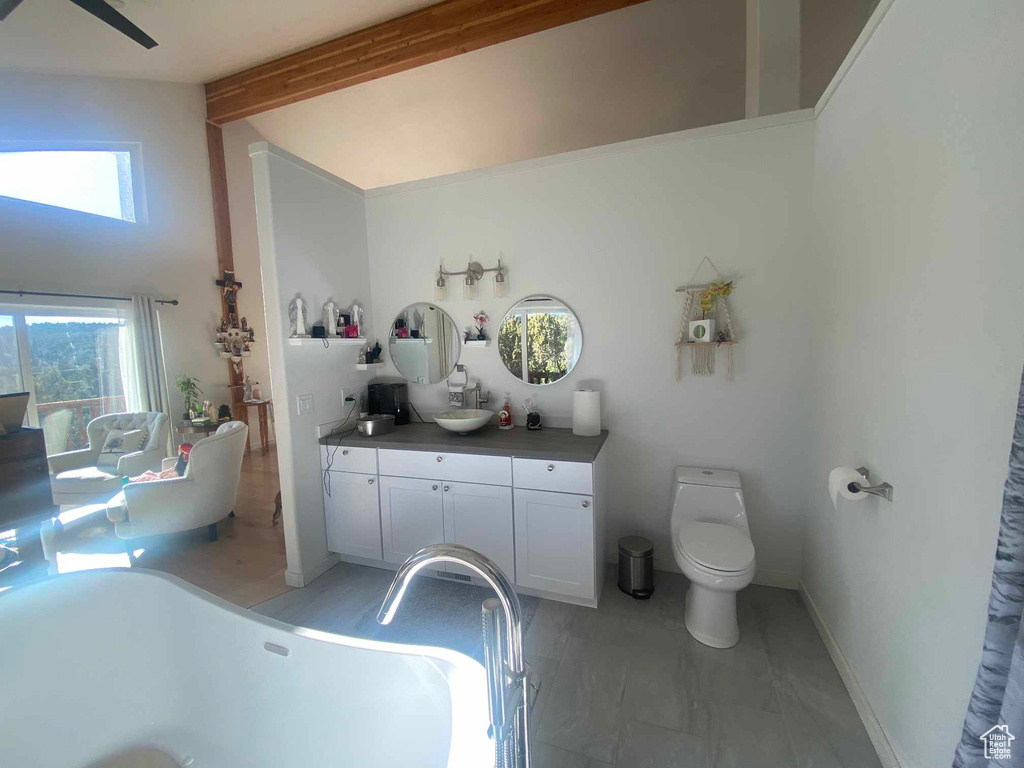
(198, 41)
(662, 66)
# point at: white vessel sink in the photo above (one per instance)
(464, 420)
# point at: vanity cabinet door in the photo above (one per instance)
(555, 542)
(352, 514)
(480, 517)
(411, 516)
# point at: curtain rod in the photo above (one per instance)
(173, 302)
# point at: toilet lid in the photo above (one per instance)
(716, 546)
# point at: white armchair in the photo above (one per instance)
(201, 497)
(75, 478)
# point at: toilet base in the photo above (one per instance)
(711, 616)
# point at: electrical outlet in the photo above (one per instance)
(345, 394)
(304, 404)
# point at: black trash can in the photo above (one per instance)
(636, 566)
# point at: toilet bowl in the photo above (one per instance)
(711, 544)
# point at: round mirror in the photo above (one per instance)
(540, 340)
(424, 344)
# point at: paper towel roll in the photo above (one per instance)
(839, 480)
(586, 412)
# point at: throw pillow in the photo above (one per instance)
(118, 443)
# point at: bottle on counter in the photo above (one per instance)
(505, 414)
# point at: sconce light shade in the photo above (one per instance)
(470, 290)
(440, 286)
(500, 282)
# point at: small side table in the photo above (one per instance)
(262, 410)
(188, 428)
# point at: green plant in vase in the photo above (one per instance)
(190, 391)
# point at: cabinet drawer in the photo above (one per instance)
(341, 458)
(458, 467)
(560, 476)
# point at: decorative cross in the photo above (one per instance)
(230, 287)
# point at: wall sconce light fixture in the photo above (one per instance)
(474, 273)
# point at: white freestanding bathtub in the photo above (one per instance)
(99, 665)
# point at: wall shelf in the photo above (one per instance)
(368, 366)
(396, 340)
(710, 343)
(331, 340)
(477, 343)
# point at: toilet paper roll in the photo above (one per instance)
(839, 480)
(586, 412)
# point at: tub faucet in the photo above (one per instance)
(504, 661)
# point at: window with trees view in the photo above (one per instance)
(69, 362)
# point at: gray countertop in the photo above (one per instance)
(553, 444)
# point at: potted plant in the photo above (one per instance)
(481, 325)
(190, 391)
(703, 330)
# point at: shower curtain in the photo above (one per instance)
(997, 702)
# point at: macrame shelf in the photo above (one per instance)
(703, 353)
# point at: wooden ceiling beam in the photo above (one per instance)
(438, 32)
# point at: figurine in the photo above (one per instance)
(297, 315)
(247, 389)
(356, 313)
(330, 319)
(224, 412)
(362, 356)
(245, 326)
(373, 355)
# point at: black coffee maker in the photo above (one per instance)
(388, 397)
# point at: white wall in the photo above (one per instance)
(612, 235)
(918, 166)
(172, 255)
(246, 249)
(312, 241)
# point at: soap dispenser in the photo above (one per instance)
(505, 414)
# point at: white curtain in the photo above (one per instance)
(142, 371)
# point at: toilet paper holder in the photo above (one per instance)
(883, 491)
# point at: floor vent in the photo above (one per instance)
(453, 576)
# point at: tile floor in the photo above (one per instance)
(626, 685)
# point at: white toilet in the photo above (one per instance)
(711, 544)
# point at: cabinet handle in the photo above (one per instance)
(586, 504)
(370, 481)
(551, 467)
(434, 488)
(439, 458)
(446, 488)
(344, 453)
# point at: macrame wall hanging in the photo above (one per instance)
(705, 326)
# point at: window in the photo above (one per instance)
(95, 181)
(69, 361)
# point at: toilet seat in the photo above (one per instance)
(715, 546)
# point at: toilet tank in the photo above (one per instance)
(709, 496)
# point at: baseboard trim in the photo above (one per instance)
(295, 579)
(776, 579)
(877, 734)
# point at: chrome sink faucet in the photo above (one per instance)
(504, 661)
(475, 396)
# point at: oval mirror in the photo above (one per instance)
(424, 343)
(540, 340)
